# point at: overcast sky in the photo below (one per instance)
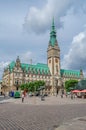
(25, 26)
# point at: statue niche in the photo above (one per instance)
(56, 69)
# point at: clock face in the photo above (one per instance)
(56, 60)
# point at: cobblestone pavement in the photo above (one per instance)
(14, 116)
(52, 100)
(2, 98)
(74, 124)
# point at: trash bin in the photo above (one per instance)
(17, 94)
(12, 94)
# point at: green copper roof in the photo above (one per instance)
(39, 68)
(53, 40)
(70, 73)
(12, 65)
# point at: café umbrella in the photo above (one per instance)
(83, 91)
(76, 91)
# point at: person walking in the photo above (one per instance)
(56, 92)
(4, 94)
(22, 97)
(62, 93)
(71, 95)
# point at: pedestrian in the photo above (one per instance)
(66, 94)
(62, 92)
(61, 95)
(56, 92)
(71, 95)
(1, 93)
(4, 94)
(22, 97)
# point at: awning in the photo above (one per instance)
(83, 91)
(76, 91)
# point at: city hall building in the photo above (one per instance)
(17, 73)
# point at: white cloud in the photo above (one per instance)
(76, 57)
(25, 57)
(38, 20)
(29, 57)
(2, 66)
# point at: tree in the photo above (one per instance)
(26, 87)
(32, 86)
(22, 86)
(70, 84)
(37, 84)
(41, 83)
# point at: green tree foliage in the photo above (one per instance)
(37, 84)
(32, 86)
(22, 86)
(70, 84)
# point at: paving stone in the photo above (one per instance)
(40, 116)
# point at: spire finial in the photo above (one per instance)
(53, 21)
(53, 25)
(17, 60)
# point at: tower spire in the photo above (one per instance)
(53, 25)
(53, 40)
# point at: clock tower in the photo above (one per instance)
(53, 56)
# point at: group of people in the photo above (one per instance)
(72, 95)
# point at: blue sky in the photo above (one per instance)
(25, 26)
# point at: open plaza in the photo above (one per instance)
(54, 108)
(57, 105)
(54, 113)
(42, 68)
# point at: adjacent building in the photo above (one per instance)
(17, 73)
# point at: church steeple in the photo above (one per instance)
(53, 40)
